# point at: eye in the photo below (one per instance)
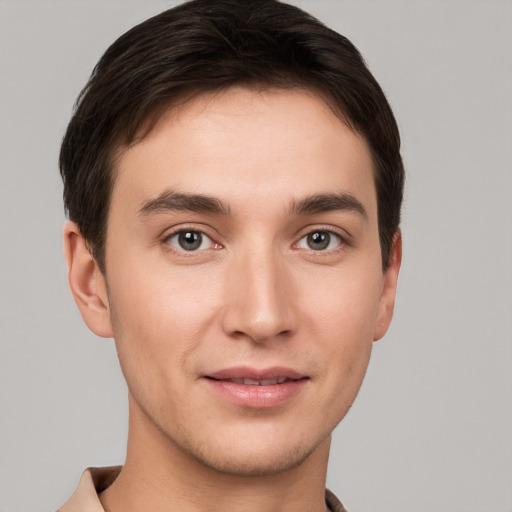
(190, 241)
(320, 241)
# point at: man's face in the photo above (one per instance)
(243, 249)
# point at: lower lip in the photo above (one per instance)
(258, 397)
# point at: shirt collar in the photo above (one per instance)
(95, 480)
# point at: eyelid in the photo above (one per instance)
(333, 238)
(343, 236)
(177, 230)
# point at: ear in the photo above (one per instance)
(387, 297)
(87, 283)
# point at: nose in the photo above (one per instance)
(259, 298)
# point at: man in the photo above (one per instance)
(233, 180)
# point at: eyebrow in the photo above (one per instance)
(320, 203)
(171, 200)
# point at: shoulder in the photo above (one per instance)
(333, 503)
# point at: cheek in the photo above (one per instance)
(348, 344)
(342, 317)
(158, 319)
(344, 304)
(345, 352)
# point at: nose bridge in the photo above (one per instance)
(258, 295)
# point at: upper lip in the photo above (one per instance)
(246, 372)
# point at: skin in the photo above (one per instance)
(257, 292)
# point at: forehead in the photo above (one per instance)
(245, 145)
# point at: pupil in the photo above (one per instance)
(319, 240)
(190, 240)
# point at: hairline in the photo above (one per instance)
(155, 114)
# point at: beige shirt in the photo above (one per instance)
(95, 480)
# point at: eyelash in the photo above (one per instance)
(328, 237)
(189, 231)
(339, 240)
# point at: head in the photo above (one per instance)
(204, 46)
(233, 177)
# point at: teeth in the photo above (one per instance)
(264, 382)
(250, 382)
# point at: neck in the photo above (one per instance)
(160, 476)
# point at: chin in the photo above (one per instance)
(249, 454)
(248, 447)
(252, 464)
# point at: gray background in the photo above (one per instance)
(432, 427)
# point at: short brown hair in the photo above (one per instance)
(202, 46)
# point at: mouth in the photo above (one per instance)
(253, 377)
(251, 382)
(254, 388)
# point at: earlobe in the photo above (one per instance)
(387, 298)
(87, 283)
